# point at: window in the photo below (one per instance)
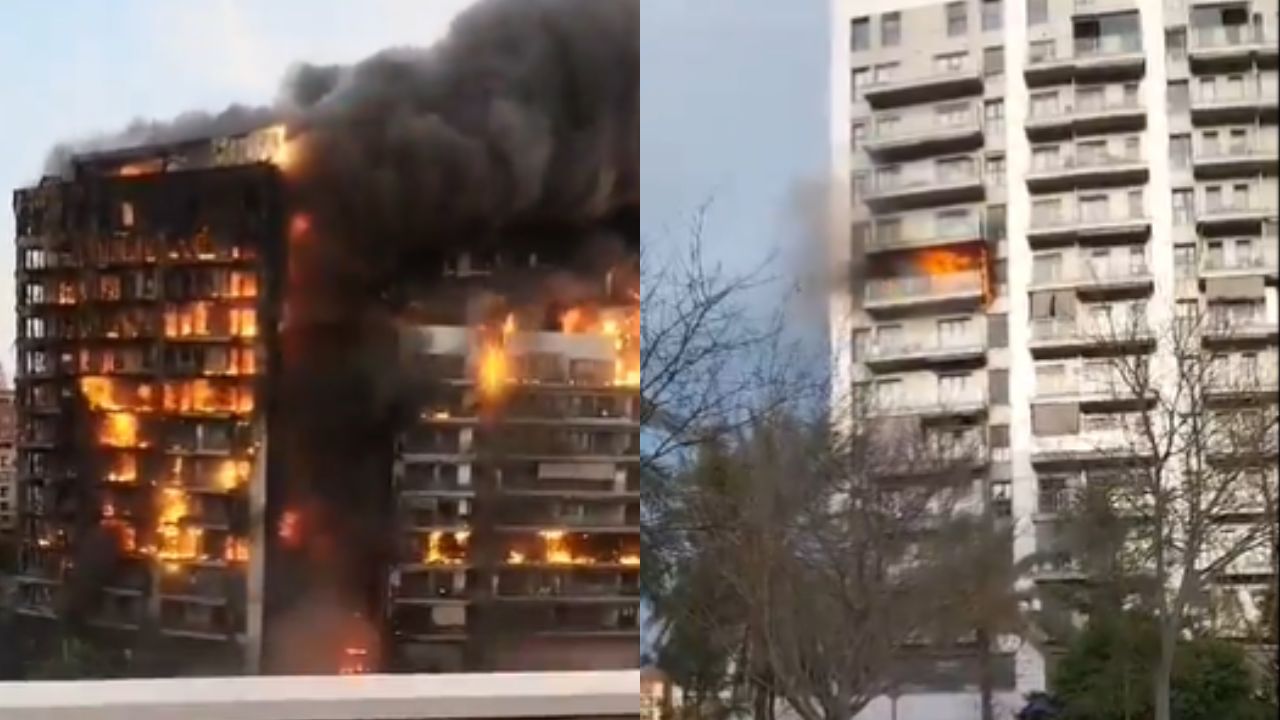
(1184, 261)
(1244, 253)
(858, 187)
(949, 62)
(1044, 104)
(1134, 202)
(1091, 153)
(861, 337)
(998, 381)
(957, 19)
(1180, 151)
(953, 223)
(951, 114)
(1213, 198)
(890, 29)
(1209, 143)
(993, 61)
(954, 387)
(1041, 51)
(884, 72)
(992, 14)
(954, 333)
(1235, 86)
(858, 79)
(995, 230)
(1051, 379)
(1175, 43)
(995, 170)
(888, 230)
(1037, 12)
(889, 336)
(1183, 207)
(1046, 267)
(860, 34)
(1089, 99)
(888, 177)
(1130, 96)
(887, 125)
(998, 331)
(1208, 88)
(1000, 271)
(1213, 255)
(955, 169)
(889, 393)
(1094, 208)
(1137, 260)
(993, 116)
(1240, 196)
(1046, 212)
(1132, 148)
(1044, 157)
(1177, 96)
(857, 135)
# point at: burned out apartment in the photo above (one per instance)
(152, 460)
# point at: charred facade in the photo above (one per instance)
(148, 294)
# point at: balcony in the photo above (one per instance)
(1113, 57)
(1098, 278)
(954, 291)
(1105, 394)
(1086, 170)
(1225, 329)
(883, 239)
(1237, 214)
(892, 192)
(1227, 46)
(1094, 445)
(936, 350)
(1060, 337)
(966, 402)
(1087, 115)
(1224, 103)
(607, 695)
(923, 135)
(1235, 159)
(944, 84)
(1082, 226)
(1264, 262)
(1243, 384)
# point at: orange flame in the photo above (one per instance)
(290, 529)
(123, 469)
(438, 554)
(176, 542)
(236, 550)
(622, 328)
(120, 430)
(946, 262)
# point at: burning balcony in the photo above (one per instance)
(949, 130)
(958, 291)
(949, 80)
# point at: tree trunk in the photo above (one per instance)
(986, 674)
(1164, 672)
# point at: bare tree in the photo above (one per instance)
(1182, 504)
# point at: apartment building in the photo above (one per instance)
(1017, 175)
(144, 277)
(517, 489)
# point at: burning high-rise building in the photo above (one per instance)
(222, 340)
(149, 296)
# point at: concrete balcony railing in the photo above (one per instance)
(957, 403)
(1243, 102)
(883, 240)
(1245, 211)
(603, 695)
(1112, 224)
(1207, 46)
(1108, 57)
(961, 287)
(941, 84)
(1087, 170)
(936, 348)
(1088, 113)
(926, 134)
(892, 192)
(1263, 261)
(1086, 276)
(1235, 158)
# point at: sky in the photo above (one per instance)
(732, 93)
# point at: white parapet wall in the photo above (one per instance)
(595, 695)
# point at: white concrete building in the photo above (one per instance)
(1007, 173)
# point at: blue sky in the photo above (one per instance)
(732, 92)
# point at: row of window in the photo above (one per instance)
(956, 17)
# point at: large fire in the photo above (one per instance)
(621, 327)
(446, 548)
(557, 550)
(175, 539)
